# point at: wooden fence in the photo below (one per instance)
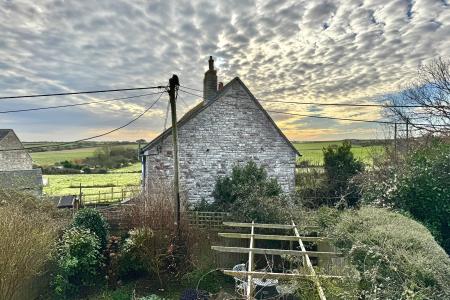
(207, 219)
(115, 195)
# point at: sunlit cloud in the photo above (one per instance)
(311, 51)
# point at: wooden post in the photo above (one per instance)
(81, 194)
(309, 264)
(174, 83)
(250, 264)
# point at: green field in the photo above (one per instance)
(118, 179)
(312, 151)
(49, 158)
(92, 184)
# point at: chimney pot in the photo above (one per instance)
(210, 82)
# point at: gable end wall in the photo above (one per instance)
(14, 160)
(232, 130)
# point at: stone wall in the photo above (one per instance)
(231, 131)
(14, 160)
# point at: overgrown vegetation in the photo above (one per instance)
(395, 256)
(419, 185)
(248, 194)
(92, 220)
(28, 228)
(334, 186)
(78, 260)
(79, 254)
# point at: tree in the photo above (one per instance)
(340, 166)
(431, 91)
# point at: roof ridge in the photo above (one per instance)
(203, 105)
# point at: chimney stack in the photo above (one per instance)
(210, 82)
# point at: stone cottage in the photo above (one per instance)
(16, 165)
(229, 127)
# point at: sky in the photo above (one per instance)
(312, 51)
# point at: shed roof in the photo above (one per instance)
(202, 105)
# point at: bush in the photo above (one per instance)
(28, 236)
(244, 181)
(340, 166)
(137, 253)
(260, 209)
(153, 254)
(396, 257)
(419, 185)
(79, 261)
(92, 220)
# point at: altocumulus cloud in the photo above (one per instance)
(327, 51)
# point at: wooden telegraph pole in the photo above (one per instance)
(174, 83)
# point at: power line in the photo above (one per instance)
(312, 116)
(354, 105)
(92, 137)
(192, 89)
(75, 104)
(84, 92)
(334, 118)
(337, 104)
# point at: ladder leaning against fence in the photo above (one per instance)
(251, 250)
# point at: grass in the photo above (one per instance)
(312, 151)
(66, 184)
(49, 158)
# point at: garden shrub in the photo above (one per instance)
(136, 256)
(395, 256)
(78, 260)
(243, 182)
(28, 236)
(260, 209)
(92, 220)
(420, 185)
(340, 166)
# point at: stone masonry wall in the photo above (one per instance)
(232, 130)
(14, 160)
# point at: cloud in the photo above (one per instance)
(323, 51)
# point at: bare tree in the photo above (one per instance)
(425, 102)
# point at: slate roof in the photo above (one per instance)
(202, 105)
(4, 132)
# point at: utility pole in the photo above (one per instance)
(174, 83)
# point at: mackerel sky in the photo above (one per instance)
(315, 51)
